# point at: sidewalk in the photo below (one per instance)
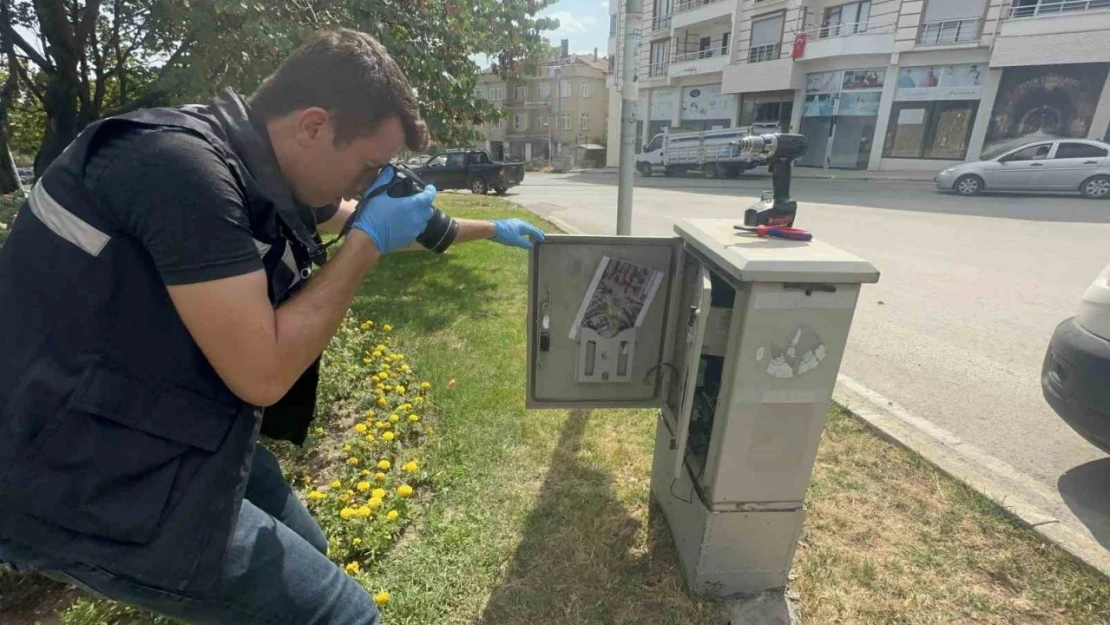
(912, 176)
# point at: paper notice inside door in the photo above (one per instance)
(618, 298)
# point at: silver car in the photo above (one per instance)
(1057, 165)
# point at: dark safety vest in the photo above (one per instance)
(120, 446)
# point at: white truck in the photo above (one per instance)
(712, 152)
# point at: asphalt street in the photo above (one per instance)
(955, 330)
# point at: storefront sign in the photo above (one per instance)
(940, 82)
(707, 102)
(1044, 102)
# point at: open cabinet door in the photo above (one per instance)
(600, 320)
(695, 338)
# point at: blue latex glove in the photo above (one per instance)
(515, 232)
(393, 223)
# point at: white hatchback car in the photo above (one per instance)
(1060, 165)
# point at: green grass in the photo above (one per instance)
(544, 516)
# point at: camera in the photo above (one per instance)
(441, 229)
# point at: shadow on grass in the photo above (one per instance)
(425, 292)
(584, 558)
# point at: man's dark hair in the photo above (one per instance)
(351, 75)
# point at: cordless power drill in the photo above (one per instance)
(780, 150)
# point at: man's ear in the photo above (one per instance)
(313, 126)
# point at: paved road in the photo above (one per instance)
(955, 330)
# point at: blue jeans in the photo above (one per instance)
(274, 573)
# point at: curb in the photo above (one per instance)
(998, 481)
(797, 175)
(1007, 487)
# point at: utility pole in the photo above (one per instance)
(633, 15)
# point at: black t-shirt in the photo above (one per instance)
(173, 192)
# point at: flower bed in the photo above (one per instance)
(371, 408)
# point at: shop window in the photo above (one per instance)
(938, 130)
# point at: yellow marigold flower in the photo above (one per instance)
(377, 354)
(365, 471)
(374, 503)
(410, 467)
(380, 347)
(384, 375)
(363, 487)
(352, 568)
(380, 424)
(356, 542)
(384, 465)
(361, 428)
(392, 516)
(319, 431)
(365, 361)
(400, 356)
(316, 495)
(379, 477)
(414, 418)
(369, 438)
(336, 484)
(429, 431)
(394, 418)
(387, 328)
(369, 414)
(345, 497)
(363, 511)
(418, 400)
(387, 388)
(405, 369)
(346, 448)
(400, 389)
(381, 598)
(406, 407)
(404, 490)
(379, 493)
(387, 367)
(425, 385)
(382, 402)
(352, 461)
(346, 513)
(388, 437)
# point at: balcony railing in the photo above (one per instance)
(831, 31)
(657, 69)
(768, 52)
(690, 5)
(950, 31)
(1058, 7)
(659, 22)
(708, 53)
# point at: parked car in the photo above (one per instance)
(1063, 165)
(1077, 366)
(470, 169)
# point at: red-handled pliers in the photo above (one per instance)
(778, 232)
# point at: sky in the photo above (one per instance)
(584, 22)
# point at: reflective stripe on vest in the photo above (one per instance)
(64, 223)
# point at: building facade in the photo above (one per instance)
(874, 84)
(561, 112)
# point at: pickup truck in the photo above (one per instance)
(470, 169)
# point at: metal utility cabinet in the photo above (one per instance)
(739, 345)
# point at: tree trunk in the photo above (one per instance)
(9, 177)
(65, 43)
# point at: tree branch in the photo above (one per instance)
(27, 48)
(88, 22)
(31, 86)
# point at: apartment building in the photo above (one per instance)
(561, 111)
(875, 84)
